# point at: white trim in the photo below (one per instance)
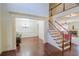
(29, 16)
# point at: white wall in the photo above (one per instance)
(4, 27)
(30, 31)
(46, 30)
(11, 33)
(76, 26)
(6, 31)
(41, 30)
(36, 28)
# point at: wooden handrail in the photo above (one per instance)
(55, 27)
(61, 26)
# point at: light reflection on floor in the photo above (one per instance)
(31, 47)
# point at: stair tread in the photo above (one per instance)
(60, 42)
(64, 45)
(57, 35)
(58, 39)
(52, 29)
(54, 33)
(65, 48)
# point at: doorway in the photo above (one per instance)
(28, 37)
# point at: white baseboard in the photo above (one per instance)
(29, 37)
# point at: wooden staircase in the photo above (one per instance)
(58, 37)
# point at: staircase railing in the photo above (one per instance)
(61, 26)
(54, 26)
(65, 30)
(61, 34)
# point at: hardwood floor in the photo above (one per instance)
(9, 53)
(35, 47)
(31, 47)
(53, 51)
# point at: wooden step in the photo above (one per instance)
(66, 44)
(67, 47)
(56, 35)
(59, 37)
(54, 32)
(60, 42)
(52, 29)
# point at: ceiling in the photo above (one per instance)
(38, 9)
